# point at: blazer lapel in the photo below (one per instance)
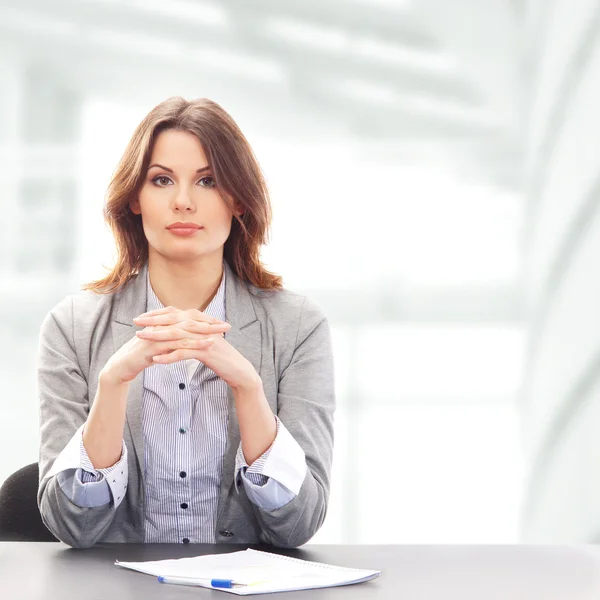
(130, 302)
(245, 336)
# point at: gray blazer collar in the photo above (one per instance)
(245, 335)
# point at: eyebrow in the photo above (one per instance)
(207, 168)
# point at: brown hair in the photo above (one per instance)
(235, 169)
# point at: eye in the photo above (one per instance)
(160, 178)
(207, 181)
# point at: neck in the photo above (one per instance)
(185, 285)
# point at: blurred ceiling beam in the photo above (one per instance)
(71, 18)
(394, 117)
(394, 21)
(487, 39)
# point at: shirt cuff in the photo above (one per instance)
(284, 461)
(84, 485)
(254, 473)
(270, 496)
(87, 468)
(84, 495)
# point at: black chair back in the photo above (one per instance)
(20, 519)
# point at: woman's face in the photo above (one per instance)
(179, 187)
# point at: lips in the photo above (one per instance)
(184, 226)
(184, 229)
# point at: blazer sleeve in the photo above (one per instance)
(306, 405)
(64, 407)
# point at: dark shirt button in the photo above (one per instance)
(186, 540)
(184, 505)
(226, 533)
(182, 430)
(182, 386)
(182, 474)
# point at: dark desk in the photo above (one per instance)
(49, 571)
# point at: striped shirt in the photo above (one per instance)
(184, 420)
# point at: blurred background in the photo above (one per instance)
(434, 169)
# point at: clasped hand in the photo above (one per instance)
(184, 334)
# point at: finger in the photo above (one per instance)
(193, 313)
(198, 315)
(172, 334)
(170, 346)
(205, 328)
(162, 319)
(161, 334)
(183, 344)
(171, 318)
(181, 354)
(159, 311)
(183, 330)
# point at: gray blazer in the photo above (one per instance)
(284, 335)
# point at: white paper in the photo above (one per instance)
(261, 572)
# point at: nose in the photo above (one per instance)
(183, 201)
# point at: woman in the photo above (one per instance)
(186, 397)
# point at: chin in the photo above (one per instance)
(189, 253)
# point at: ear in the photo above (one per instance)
(239, 208)
(134, 205)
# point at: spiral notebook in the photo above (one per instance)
(250, 572)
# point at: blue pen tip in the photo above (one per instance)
(161, 579)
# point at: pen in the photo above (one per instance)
(216, 583)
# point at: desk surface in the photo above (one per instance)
(32, 571)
